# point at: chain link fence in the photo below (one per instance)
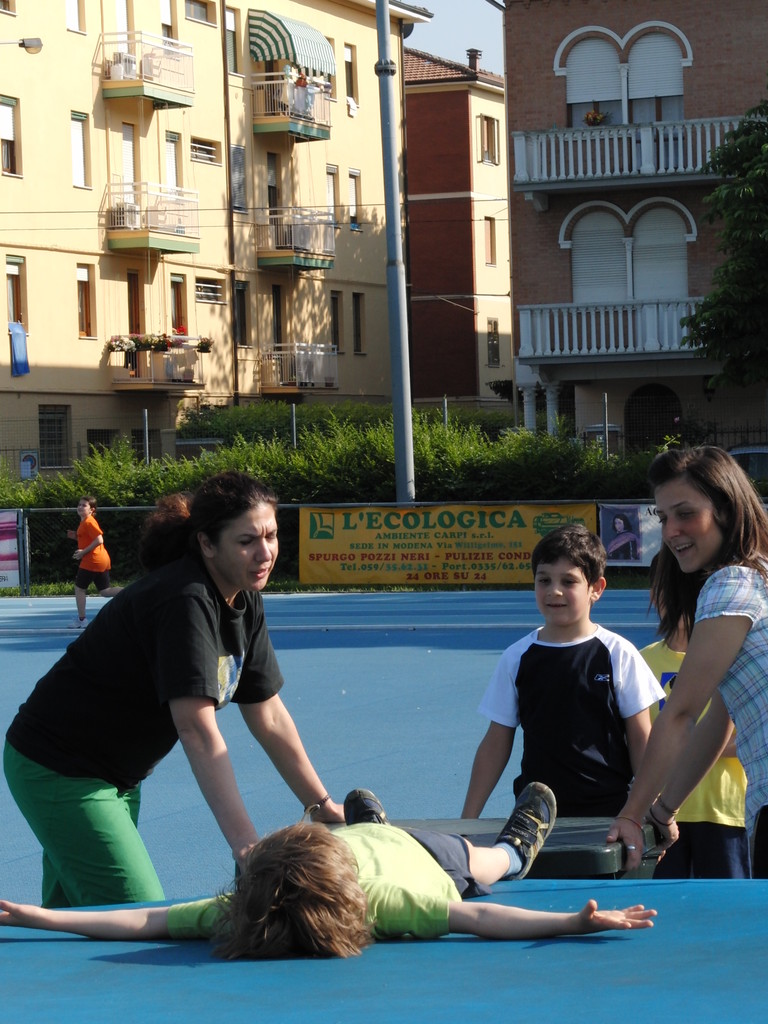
(50, 550)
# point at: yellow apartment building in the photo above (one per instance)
(191, 211)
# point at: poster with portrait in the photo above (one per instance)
(631, 533)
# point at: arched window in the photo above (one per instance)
(598, 259)
(601, 271)
(659, 256)
(594, 80)
(655, 80)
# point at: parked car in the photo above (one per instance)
(753, 458)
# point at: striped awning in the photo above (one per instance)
(273, 37)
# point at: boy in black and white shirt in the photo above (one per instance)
(581, 693)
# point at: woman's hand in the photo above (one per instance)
(330, 812)
(630, 833)
(666, 832)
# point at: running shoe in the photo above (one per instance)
(361, 805)
(529, 824)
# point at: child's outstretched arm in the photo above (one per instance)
(124, 923)
(496, 921)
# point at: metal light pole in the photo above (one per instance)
(396, 294)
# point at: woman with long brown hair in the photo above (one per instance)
(712, 576)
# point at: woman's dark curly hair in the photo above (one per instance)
(171, 530)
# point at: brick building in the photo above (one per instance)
(613, 108)
(458, 229)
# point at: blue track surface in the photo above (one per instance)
(384, 689)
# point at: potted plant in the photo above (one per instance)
(594, 118)
(204, 344)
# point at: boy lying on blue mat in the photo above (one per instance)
(311, 890)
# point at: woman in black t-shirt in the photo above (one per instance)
(153, 667)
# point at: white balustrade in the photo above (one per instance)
(594, 330)
(563, 155)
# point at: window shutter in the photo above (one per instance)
(121, 23)
(593, 72)
(129, 172)
(354, 177)
(171, 159)
(655, 67)
(237, 166)
(659, 256)
(73, 15)
(77, 129)
(231, 40)
(7, 128)
(330, 191)
(598, 260)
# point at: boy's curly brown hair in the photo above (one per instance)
(298, 896)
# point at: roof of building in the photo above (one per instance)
(420, 68)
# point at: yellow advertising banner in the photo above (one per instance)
(459, 544)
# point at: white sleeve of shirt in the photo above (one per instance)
(499, 703)
(636, 687)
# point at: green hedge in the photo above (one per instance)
(343, 455)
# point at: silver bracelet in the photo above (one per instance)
(313, 808)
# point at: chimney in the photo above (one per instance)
(473, 58)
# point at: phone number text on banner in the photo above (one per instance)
(448, 544)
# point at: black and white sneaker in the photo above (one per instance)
(361, 805)
(529, 823)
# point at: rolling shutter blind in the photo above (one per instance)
(659, 256)
(330, 191)
(7, 119)
(655, 67)
(354, 178)
(129, 173)
(593, 72)
(598, 260)
(171, 162)
(73, 15)
(237, 165)
(77, 131)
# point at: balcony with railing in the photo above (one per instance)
(150, 67)
(571, 159)
(594, 332)
(296, 237)
(295, 367)
(180, 369)
(146, 215)
(301, 111)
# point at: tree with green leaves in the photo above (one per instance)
(731, 324)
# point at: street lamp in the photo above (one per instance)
(30, 45)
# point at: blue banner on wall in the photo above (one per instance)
(19, 362)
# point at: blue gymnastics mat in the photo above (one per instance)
(384, 690)
(704, 961)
